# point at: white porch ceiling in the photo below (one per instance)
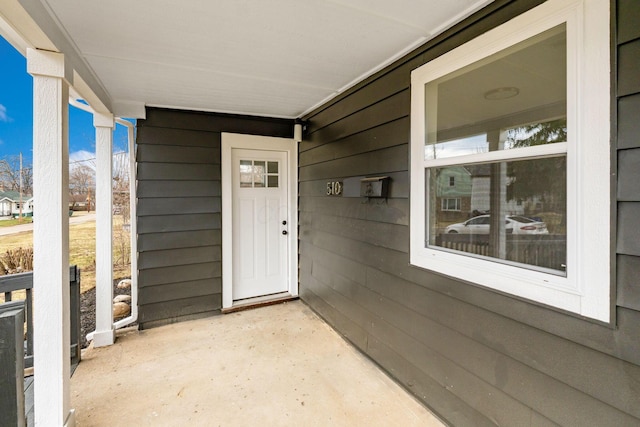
(261, 57)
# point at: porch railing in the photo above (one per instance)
(24, 282)
(12, 385)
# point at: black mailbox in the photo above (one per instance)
(376, 186)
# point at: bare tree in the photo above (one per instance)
(121, 184)
(82, 184)
(10, 175)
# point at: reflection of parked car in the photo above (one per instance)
(515, 224)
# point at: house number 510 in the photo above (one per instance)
(334, 188)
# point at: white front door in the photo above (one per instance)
(259, 203)
(260, 222)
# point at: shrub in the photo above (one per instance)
(16, 260)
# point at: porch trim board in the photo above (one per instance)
(232, 141)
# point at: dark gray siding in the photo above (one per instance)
(476, 357)
(628, 137)
(179, 210)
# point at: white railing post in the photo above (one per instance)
(105, 332)
(51, 237)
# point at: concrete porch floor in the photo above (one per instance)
(273, 366)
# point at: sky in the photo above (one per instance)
(16, 114)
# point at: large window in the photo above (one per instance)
(521, 114)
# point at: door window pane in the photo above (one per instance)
(272, 167)
(246, 174)
(259, 174)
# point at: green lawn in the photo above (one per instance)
(82, 249)
(11, 222)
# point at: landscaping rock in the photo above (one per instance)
(124, 284)
(121, 309)
(122, 298)
(88, 310)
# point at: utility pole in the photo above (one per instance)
(20, 179)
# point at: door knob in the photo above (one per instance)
(284, 222)
(284, 232)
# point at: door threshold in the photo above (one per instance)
(262, 301)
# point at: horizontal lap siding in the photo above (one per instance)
(179, 210)
(475, 356)
(628, 156)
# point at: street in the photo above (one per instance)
(77, 218)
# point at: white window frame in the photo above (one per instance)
(444, 208)
(586, 288)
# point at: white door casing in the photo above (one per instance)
(257, 258)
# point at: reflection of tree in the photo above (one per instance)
(542, 178)
(538, 134)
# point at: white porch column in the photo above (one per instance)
(105, 333)
(51, 238)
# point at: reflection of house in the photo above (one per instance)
(481, 189)
(80, 202)
(10, 204)
(453, 194)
